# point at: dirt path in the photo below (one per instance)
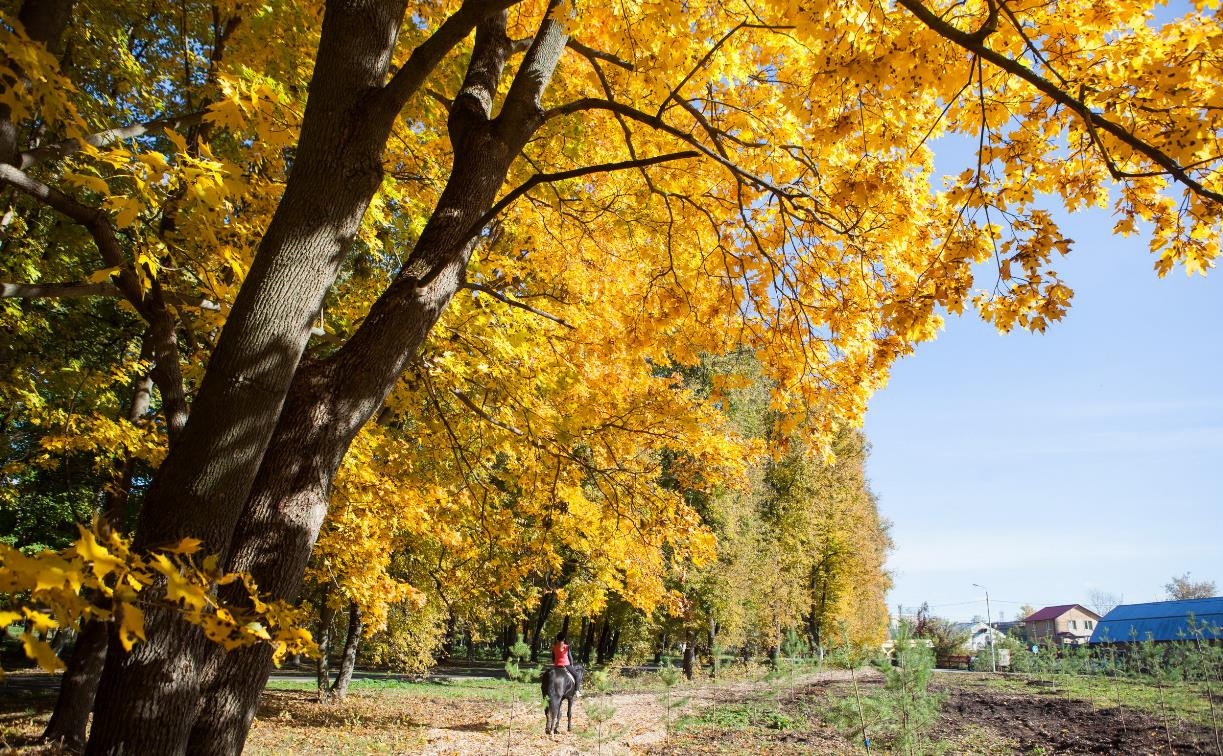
(639, 722)
(387, 722)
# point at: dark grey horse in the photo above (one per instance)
(559, 685)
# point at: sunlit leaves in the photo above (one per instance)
(101, 578)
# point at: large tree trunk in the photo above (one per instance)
(149, 697)
(689, 657)
(542, 612)
(322, 673)
(604, 641)
(330, 401)
(339, 689)
(588, 640)
(78, 687)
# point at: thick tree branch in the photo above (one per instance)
(520, 114)
(408, 79)
(167, 372)
(38, 155)
(473, 104)
(95, 221)
(592, 54)
(70, 290)
(594, 103)
(543, 178)
(515, 303)
(76, 289)
(1093, 120)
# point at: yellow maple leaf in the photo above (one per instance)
(98, 276)
(40, 620)
(91, 551)
(41, 652)
(131, 627)
(178, 587)
(185, 546)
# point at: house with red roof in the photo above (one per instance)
(1069, 624)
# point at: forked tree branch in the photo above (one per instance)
(542, 178)
(1093, 120)
(77, 289)
(33, 157)
(412, 75)
(591, 53)
(515, 303)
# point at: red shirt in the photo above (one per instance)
(560, 654)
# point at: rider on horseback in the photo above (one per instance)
(560, 658)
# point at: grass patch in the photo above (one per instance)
(493, 690)
(738, 717)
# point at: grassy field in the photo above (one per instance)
(1181, 701)
(738, 714)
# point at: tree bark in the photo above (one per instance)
(78, 687)
(542, 612)
(322, 673)
(151, 696)
(604, 637)
(44, 21)
(339, 689)
(689, 657)
(329, 401)
(588, 641)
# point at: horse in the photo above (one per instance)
(559, 686)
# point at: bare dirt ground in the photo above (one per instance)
(390, 722)
(1050, 722)
(976, 718)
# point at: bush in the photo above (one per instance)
(1022, 659)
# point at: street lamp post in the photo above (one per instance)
(989, 624)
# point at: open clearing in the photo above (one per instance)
(982, 714)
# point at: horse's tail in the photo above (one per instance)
(544, 680)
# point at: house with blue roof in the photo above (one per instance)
(1162, 621)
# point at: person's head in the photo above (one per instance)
(560, 638)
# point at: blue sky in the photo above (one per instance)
(1043, 466)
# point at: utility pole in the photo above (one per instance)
(989, 624)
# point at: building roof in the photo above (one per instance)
(1161, 621)
(1053, 612)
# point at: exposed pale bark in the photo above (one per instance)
(348, 662)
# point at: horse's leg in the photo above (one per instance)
(569, 711)
(555, 706)
(548, 716)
